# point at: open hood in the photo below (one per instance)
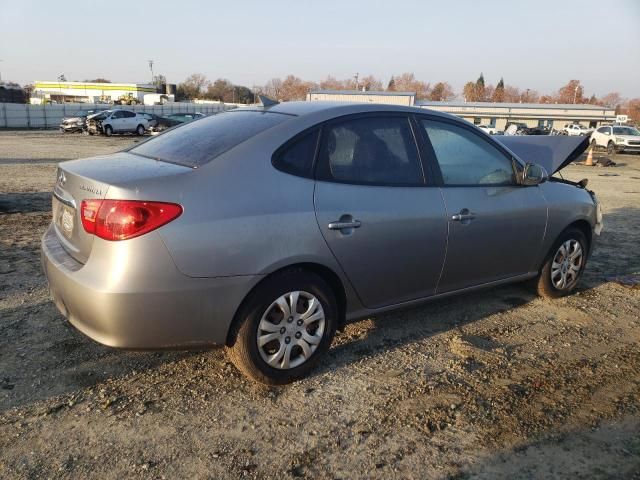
(553, 152)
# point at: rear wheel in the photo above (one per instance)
(108, 130)
(594, 144)
(284, 328)
(564, 265)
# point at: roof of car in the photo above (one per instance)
(306, 108)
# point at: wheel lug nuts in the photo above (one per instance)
(290, 319)
(287, 340)
(299, 322)
(298, 334)
(282, 330)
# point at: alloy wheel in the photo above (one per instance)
(566, 265)
(291, 330)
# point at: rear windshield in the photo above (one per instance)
(199, 142)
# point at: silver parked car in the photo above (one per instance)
(265, 229)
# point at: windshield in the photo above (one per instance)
(625, 131)
(199, 142)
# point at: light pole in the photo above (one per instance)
(355, 75)
(151, 68)
(1, 72)
(575, 93)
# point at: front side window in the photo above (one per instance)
(118, 114)
(126, 114)
(467, 159)
(370, 150)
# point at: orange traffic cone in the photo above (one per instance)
(589, 161)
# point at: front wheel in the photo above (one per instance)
(564, 265)
(284, 328)
(140, 130)
(611, 148)
(108, 131)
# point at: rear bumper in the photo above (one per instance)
(159, 309)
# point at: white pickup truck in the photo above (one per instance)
(575, 130)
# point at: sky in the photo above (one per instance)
(539, 44)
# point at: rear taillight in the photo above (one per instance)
(124, 219)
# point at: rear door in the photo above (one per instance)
(384, 224)
(496, 226)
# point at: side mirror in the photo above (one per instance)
(534, 174)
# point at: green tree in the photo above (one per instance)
(498, 93)
(391, 86)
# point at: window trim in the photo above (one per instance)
(275, 157)
(318, 174)
(430, 153)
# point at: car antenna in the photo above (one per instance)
(266, 101)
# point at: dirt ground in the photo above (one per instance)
(494, 384)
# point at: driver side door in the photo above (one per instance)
(496, 226)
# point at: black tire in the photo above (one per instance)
(611, 147)
(108, 131)
(243, 348)
(140, 130)
(543, 282)
(594, 144)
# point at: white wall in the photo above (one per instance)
(18, 115)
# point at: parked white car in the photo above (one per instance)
(124, 121)
(616, 138)
(489, 129)
(577, 130)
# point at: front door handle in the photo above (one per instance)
(464, 216)
(342, 225)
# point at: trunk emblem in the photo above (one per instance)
(62, 178)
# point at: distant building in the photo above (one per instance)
(552, 115)
(394, 98)
(88, 92)
(497, 115)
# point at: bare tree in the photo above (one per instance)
(407, 82)
(441, 92)
(273, 88)
(193, 86)
(611, 100)
(572, 92)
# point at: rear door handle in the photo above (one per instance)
(343, 225)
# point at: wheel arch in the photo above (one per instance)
(324, 272)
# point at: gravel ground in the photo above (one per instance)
(495, 384)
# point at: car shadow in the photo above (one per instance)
(25, 202)
(43, 356)
(611, 449)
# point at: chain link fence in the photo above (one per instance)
(18, 115)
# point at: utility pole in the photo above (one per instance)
(1, 72)
(151, 68)
(355, 75)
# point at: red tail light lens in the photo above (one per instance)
(124, 219)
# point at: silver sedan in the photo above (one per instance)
(265, 229)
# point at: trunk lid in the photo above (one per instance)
(91, 178)
(553, 152)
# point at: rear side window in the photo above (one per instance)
(199, 142)
(370, 150)
(297, 157)
(467, 159)
(128, 114)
